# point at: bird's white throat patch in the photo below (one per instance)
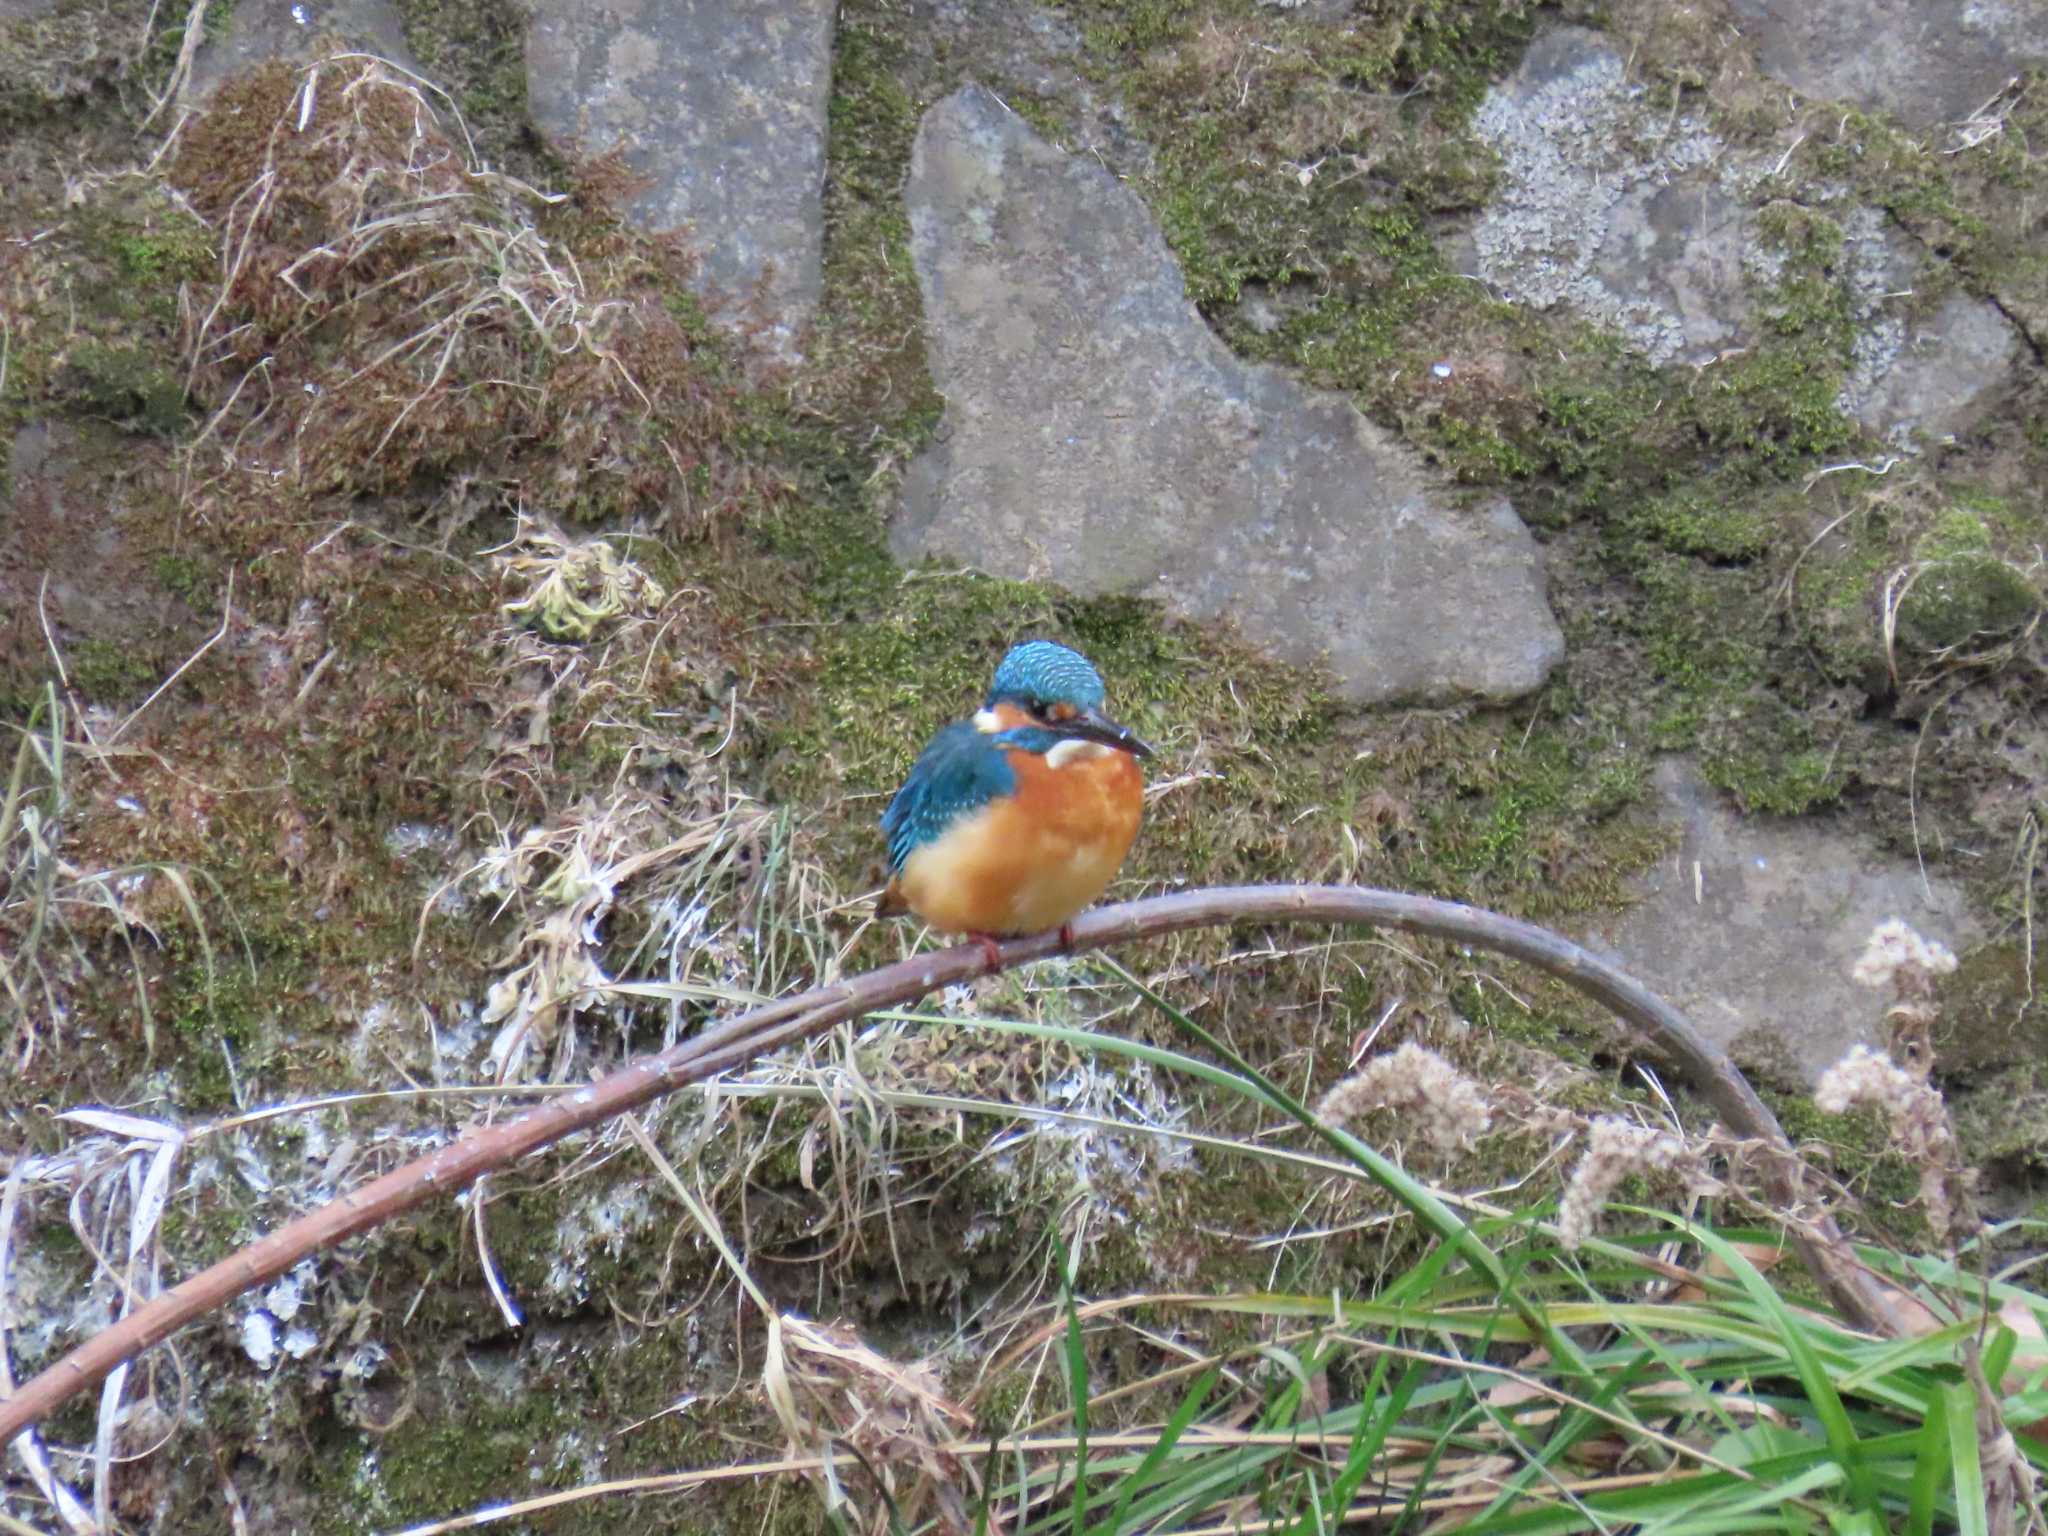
(987, 721)
(1075, 752)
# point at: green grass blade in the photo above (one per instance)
(1805, 1360)
(1077, 1383)
(1739, 1512)
(1998, 1353)
(1143, 1475)
(1439, 1218)
(1973, 1515)
(1930, 1468)
(1366, 1447)
(1937, 1348)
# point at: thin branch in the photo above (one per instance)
(1859, 1295)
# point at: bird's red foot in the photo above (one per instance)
(991, 951)
(1067, 937)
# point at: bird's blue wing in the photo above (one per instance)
(961, 771)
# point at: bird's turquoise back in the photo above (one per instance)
(962, 770)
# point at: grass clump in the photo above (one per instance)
(390, 315)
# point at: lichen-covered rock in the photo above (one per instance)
(1608, 207)
(721, 106)
(1928, 375)
(1924, 61)
(1098, 434)
(1915, 375)
(1641, 220)
(1752, 924)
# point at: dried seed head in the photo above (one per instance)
(1443, 1106)
(1616, 1148)
(1896, 954)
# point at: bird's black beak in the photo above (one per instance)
(1094, 725)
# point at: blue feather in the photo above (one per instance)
(1040, 672)
(961, 771)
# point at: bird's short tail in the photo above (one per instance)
(891, 903)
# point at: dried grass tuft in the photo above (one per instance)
(564, 878)
(572, 587)
(391, 313)
(834, 1394)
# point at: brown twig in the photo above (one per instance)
(1853, 1289)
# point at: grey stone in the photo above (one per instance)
(1946, 364)
(1636, 220)
(1925, 61)
(1037, 50)
(1608, 208)
(1751, 927)
(1097, 434)
(721, 104)
(259, 31)
(1914, 377)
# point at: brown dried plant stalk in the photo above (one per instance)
(1857, 1293)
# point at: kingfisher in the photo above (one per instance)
(1011, 822)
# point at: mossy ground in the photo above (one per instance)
(1717, 599)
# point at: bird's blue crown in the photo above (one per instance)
(1041, 672)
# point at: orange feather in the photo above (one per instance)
(1032, 860)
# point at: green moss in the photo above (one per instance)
(1986, 1029)
(1718, 523)
(476, 51)
(1804, 235)
(868, 363)
(218, 1026)
(1957, 598)
(179, 253)
(2002, 1124)
(1858, 1147)
(1267, 130)
(128, 385)
(58, 59)
(188, 577)
(106, 672)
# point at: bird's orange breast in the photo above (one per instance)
(1032, 860)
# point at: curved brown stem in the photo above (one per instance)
(1855, 1292)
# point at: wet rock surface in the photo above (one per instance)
(1752, 924)
(722, 108)
(1098, 435)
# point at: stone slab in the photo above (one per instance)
(1607, 208)
(1923, 61)
(1752, 925)
(721, 105)
(259, 31)
(1098, 435)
